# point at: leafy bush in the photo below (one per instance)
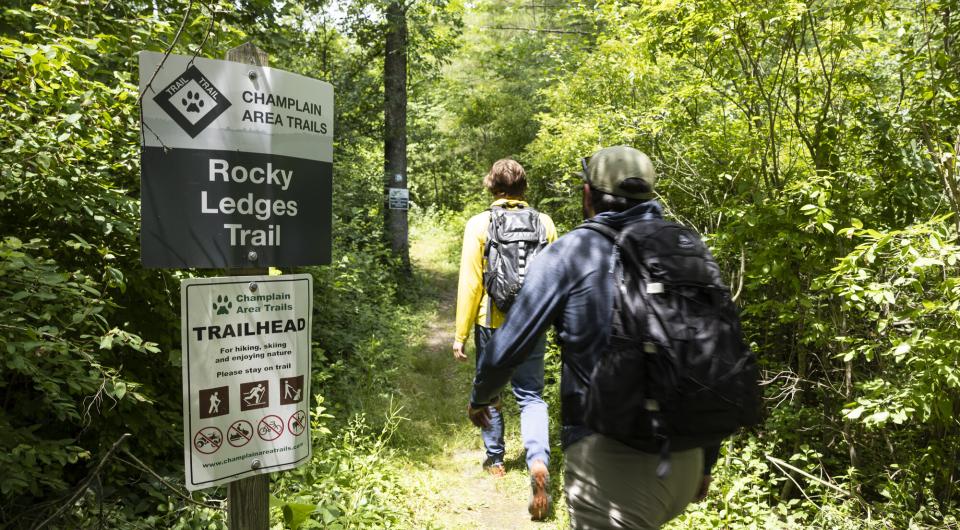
(90, 338)
(349, 483)
(74, 368)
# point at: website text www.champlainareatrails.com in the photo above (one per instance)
(253, 454)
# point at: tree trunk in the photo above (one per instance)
(395, 126)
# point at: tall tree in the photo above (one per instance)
(395, 125)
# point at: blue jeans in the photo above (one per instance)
(527, 383)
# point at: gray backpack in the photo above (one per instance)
(514, 237)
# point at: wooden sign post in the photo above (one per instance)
(248, 499)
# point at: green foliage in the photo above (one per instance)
(73, 364)
(90, 338)
(774, 126)
(53, 328)
(902, 289)
(348, 483)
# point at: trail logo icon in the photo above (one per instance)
(223, 305)
(192, 101)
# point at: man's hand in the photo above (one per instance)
(480, 416)
(458, 352)
(704, 488)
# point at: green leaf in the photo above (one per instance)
(294, 514)
(924, 262)
(855, 413)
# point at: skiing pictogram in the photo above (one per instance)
(297, 422)
(208, 440)
(254, 395)
(270, 428)
(240, 433)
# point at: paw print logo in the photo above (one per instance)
(223, 305)
(192, 101)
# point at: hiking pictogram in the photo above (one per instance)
(255, 395)
(240, 433)
(291, 390)
(223, 305)
(297, 422)
(208, 440)
(270, 428)
(214, 402)
(192, 100)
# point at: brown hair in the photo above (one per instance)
(506, 177)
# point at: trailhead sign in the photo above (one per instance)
(246, 373)
(236, 166)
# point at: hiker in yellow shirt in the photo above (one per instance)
(498, 245)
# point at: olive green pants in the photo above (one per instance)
(610, 485)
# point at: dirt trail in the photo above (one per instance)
(444, 453)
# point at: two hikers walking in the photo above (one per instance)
(655, 371)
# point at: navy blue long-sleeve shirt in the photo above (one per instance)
(569, 285)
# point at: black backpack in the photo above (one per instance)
(514, 237)
(676, 373)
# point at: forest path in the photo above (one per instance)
(441, 452)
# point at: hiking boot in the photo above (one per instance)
(497, 470)
(540, 500)
(494, 467)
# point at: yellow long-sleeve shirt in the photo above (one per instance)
(473, 304)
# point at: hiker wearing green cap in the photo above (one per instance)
(655, 370)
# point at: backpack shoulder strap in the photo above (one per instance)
(491, 230)
(608, 231)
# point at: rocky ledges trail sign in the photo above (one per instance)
(237, 165)
(246, 373)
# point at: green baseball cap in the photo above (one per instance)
(621, 170)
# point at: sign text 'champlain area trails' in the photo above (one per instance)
(236, 165)
(246, 371)
(284, 102)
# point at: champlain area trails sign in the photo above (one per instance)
(236, 167)
(246, 373)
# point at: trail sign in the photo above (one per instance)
(236, 167)
(399, 198)
(246, 376)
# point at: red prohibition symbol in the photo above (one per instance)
(297, 423)
(208, 440)
(240, 433)
(270, 428)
